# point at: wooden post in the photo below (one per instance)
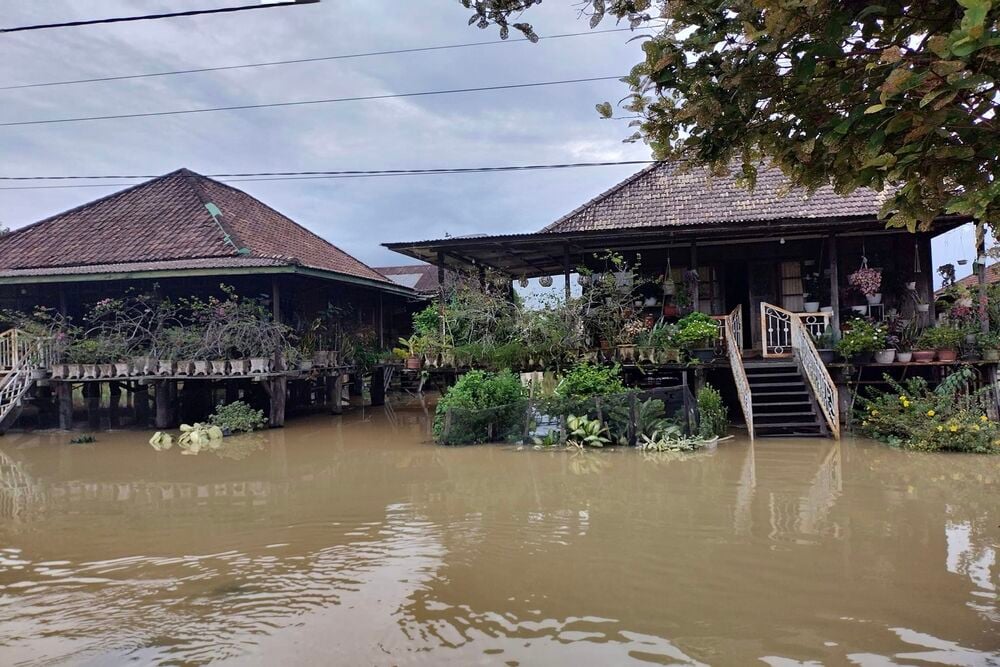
(834, 285)
(114, 404)
(64, 394)
(440, 267)
(927, 267)
(162, 398)
(232, 391)
(92, 394)
(984, 315)
(141, 400)
(275, 300)
(337, 394)
(378, 386)
(696, 297)
(567, 288)
(279, 391)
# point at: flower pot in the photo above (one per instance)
(826, 309)
(91, 372)
(259, 365)
(219, 366)
(812, 306)
(924, 356)
(827, 356)
(874, 299)
(413, 363)
(238, 366)
(646, 354)
(885, 356)
(860, 310)
(306, 365)
(58, 371)
(912, 286)
(321, 358)
(122, 369)
(669, 356)
(164, 367)
(862, 358)
(106, 370)
(73, 371)
(970, 339)
(200, 368)
(431, 360)
(947, 355)
(333, 357)
(140, 366)
(626, 353)
(650, 302)
(448, 359)
(38, 373)
(670, 311)
(988, 355)
(904, 357)
(923, 307)
(703, 354)
(183, 367)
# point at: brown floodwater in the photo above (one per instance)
(352, 541)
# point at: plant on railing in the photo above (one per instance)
(713, 414)
(861, 337)
(914, 416)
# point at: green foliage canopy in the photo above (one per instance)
(896, 96)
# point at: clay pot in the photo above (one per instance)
(924, 356)
(904, 357)
(947, 355)
(413, 363)
(885, 356)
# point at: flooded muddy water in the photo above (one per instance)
(350, 541)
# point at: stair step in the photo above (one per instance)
(809, 424)
(771, 376)
(765, 385)
(781, 415)
(775, 404)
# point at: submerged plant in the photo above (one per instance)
(238, 417)
(585, 432)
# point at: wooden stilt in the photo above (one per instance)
(92, 394)
(64, 395)
(114, 404)
(378, 386)
(337, 394)
(279, 391)
(140, 397)
(162, 399)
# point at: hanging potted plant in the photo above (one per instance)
(868, 282)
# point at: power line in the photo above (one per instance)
(313, 175)
(148, 17)
(272, 105)
(348, 56)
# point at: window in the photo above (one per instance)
(791, 287)
(709, 291)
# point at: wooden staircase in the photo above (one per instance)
(783, 403)
(20, 355)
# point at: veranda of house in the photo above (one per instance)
(177, 243)
(774, 267)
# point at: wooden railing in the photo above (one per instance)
(778, 326)
(734, 347)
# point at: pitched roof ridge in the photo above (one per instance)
(604, 195)
(300, 226)
(134, 261)
(92, 202)
(193, 179)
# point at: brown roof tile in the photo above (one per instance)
(422, 278)
(166, 219)
(664, 194)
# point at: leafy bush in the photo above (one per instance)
(940, 338)
(585, 432)
(696, 330)
(947, 418)
(988, 341)
(713, 413)
(238, 417)
(861, 336)
(586, 380)
(481, 407)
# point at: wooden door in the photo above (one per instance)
(763, 288)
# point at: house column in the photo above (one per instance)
(926, 287)
(984, 317)
(275, 299)
(696, 297)
(440, 265)
(834, 284)
(567, 288)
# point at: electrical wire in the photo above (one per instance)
(348, 56)
(272, 105)
(144, 17)
(314, 175)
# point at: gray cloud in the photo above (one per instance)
(504, 127)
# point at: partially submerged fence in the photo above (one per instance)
(622, 418)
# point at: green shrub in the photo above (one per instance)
(940, 338)
(697, 330)
(861, 337)
(586, 380)
(481, 407)
(947, 418)
(713, 413)
(238, 417)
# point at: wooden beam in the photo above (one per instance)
(834, 283)
(279, 392)
(275, 299)
(566, 286)
(696, 297)
(64, 394)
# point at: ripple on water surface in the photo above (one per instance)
(354, 542)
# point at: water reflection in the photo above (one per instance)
(354, 541)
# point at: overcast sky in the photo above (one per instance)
(540, 125)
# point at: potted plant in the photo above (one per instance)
(633, 330)
(887, 355)
(812, 284)
(907, 337)
(409, 351)
(945, 342)
(861, 339)
(989, 346)
(697, 333)
(82, 357)
(825, 345)
(868, 282)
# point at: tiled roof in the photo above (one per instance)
(422, 278)
(665, 194)
(161, 265)
(166, 219)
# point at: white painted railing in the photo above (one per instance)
(30, 353)
(789, 336)
(734, 346)
(776, 328)
(15, 345)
